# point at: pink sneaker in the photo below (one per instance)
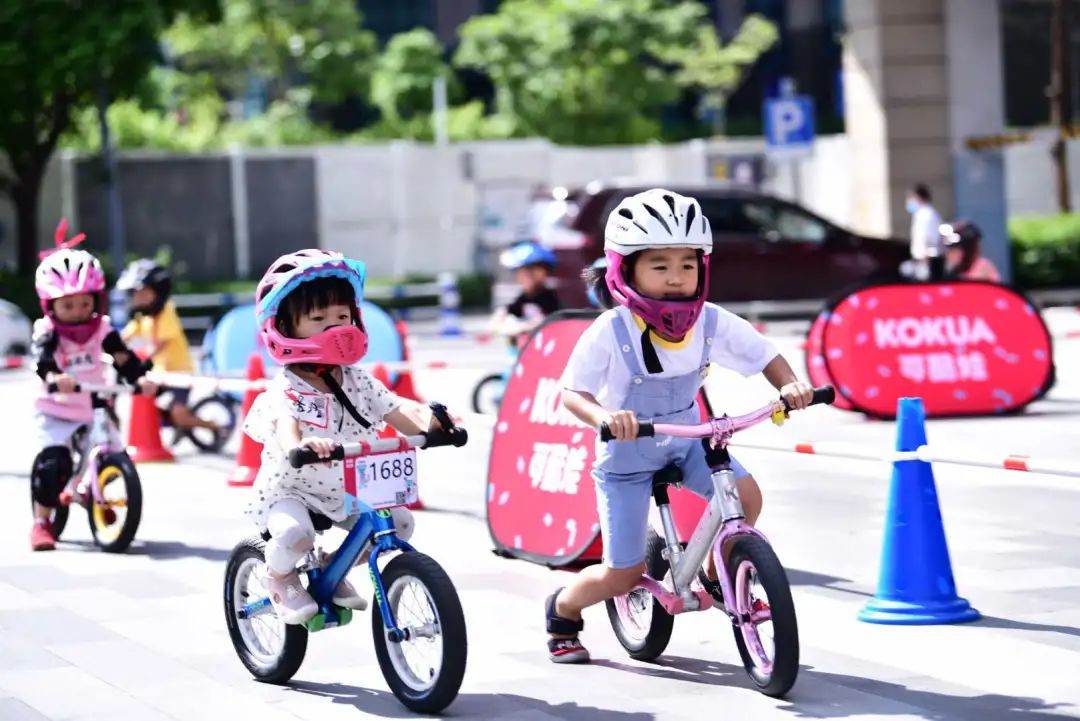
(42, 537)
(293, 604)
(347, 596)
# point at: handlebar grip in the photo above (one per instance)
(299, 457)
(53, 388)
(822, 394)
(456, 437)
(645, 430)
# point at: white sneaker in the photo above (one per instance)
(293, 604)
(347, 596)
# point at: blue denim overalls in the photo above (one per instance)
(624, 469)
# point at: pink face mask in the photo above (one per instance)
(340, 346)
(78, 332)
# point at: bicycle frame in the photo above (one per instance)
(722, 520)
(97, 442)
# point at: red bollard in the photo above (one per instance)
(144, 432)
(404, 386)
(247, 458)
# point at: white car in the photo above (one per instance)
(14, 330)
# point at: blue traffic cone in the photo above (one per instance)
(916, 584)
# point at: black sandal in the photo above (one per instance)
(567, 649)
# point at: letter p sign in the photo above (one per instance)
(789, 125)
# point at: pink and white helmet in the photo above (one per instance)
(342, 345)
(66, 271)
(657, 218)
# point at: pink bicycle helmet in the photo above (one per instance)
(66, 271)
(341, 345)
(657, 218)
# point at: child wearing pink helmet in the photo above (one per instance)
(647, 358)
(68, 343)
(308, 311)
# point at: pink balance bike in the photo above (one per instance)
(752, 588)
(104, 481)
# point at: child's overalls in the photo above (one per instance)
(624, 469)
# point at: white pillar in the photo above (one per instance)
(238, 187)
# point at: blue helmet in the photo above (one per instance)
(527, 253)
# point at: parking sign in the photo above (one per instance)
(789, 126)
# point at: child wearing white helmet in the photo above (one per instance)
(68, 343)
(647, 358)
(308, 309)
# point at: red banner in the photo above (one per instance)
(541, 502)
(965, 348)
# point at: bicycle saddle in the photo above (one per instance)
(669, 475)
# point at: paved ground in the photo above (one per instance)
(141, 636)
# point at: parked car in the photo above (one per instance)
(14, 330)
(765, 247)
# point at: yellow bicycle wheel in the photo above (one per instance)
(114, 520)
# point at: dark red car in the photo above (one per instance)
(764, 248)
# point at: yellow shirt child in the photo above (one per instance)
(163, 336)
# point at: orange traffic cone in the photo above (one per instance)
(144, 432)
(247, 458)
(380, 374)
(404, 386)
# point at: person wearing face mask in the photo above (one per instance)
(926, 247)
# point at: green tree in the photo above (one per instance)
(57, 56)
(599, 71)
(405, 72)
(716, 70)
(282, 44)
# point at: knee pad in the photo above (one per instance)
(403, 522)
(51, 471)
(285, 549)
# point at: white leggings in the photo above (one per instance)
(292, 533)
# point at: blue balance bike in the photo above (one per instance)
(418, 626)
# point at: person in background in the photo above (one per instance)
(154, 332)
(532, 265)
(925, 240)
(963, 253)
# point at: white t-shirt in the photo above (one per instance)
(320, 487)
(925, 236)
(596, 365)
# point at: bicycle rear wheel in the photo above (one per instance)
(220, 410)
(488, 394)
(640, 623)
(270, 649)
(767, 633)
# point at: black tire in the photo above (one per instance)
(281, 666)
(109, 537)
(785, 628)
(443, 595)
(481, 390)
(217, 408)
(661, 623)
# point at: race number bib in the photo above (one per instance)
(380, 481)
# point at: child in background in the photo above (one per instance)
(67, 346)
(532, 265)
(963, 253)
(308, 311)
(155, 333)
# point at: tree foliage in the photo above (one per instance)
(57, 56)
(405, 73)
(581, 71)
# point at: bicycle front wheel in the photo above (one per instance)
(114, 518)
(220, 410)
(767, 633)
(426, 668)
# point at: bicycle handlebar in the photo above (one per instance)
(824, 394)
(99, 388)
(449, 435)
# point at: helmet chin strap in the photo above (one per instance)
(326, 373)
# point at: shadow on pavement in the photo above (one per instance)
(382, 703)
(876, 697)
(797, 577)
(162, 550)
(995, 622)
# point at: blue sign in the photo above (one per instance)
(789, 125)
